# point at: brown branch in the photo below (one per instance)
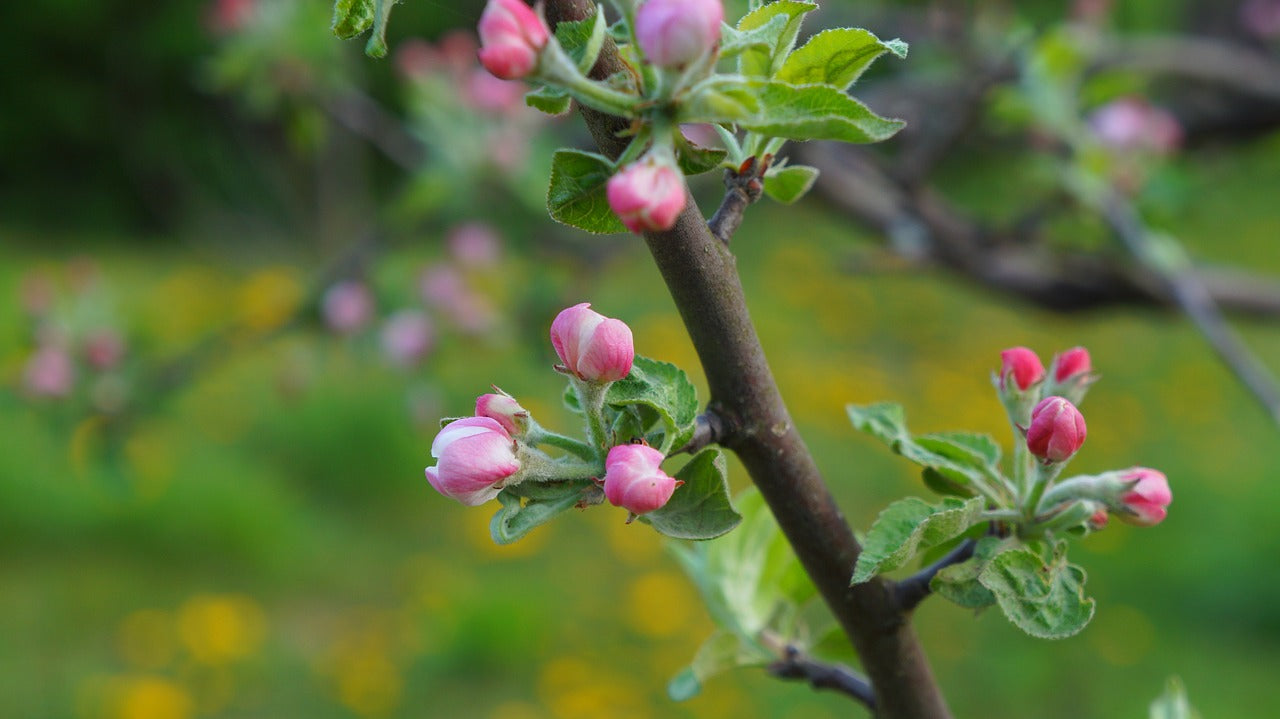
(701, 275)
(742, 188)
(836, 677)
(913, 590)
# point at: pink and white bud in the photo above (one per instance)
(1022, 366)
(415, 58)
(441, 286)
(347, 307)
(224, 17)
(475, 244)
(1057, 430)
(103, 349)
(634, 479)
(1148, 499)
(407, 337)
(511, 38)
(674, 33)
(492, 95)
(475, 456)
(1071, 364)
(49, 373)
(1130, 124)
(505, 410)
(593, 347)
(647, 195)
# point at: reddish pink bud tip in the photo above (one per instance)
(1071, 363)
(634, 479)
(1022, 365)
(511, 38)
(591, 346)
(1148, 499)
(647, 196)
(1057, 430)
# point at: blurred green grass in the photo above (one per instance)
(259, 549)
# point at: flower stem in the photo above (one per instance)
(591, 399)
(537, 435)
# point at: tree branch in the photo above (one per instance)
(708, 429)
(821, 675)
(742, 188)
(701, 275)
(911, 591)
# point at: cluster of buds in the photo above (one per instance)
(1042, 408)
(499, 447)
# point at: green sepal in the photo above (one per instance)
(909, 525)
(548, 99)
(1045, 600)
(351, 18)
(1173, 703)
(700, 508)
(764, 61)
(582, 39)
(790, 183)
(836, 57)
(520, 515)
(576, 194)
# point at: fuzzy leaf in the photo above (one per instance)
(816, 112)
(377, 45)
(1173, 703)
(352, 17)
(1043, 600)
(959, 582)
(695, 159)
(763, 62)
(582, 39)
(664, 388)
(836, 57)
(765, 37)
(551, 100)
(909, 525)
(519, 516)
(700, 508)
(790, 183)
(952, 461)
(576, 196)
(720, 652)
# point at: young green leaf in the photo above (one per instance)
(765, 37)
(721, 652)
(1173, 703)
(790, 183)
(352, 17)
(816, 112)
(953, 461)
(664, 388)
(763, 62)
(377, 45)
(551, 100)
(519, 516)
(695, 159)
(582, 39)
(700, 508)
(909, 525)
(836, 57)
(959, 582)
(1043, 600)
(576, 196)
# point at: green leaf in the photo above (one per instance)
(790, 183)
(959, 582)
(836, 57)
(721, 99)
(519, 516)
(664, 388)
(720, 652)
(816, 112)
(763, 62)
(970, 448)
(582, 39)
(700, 508)
(576, 196)
(695, 159)
(1173, 703)
(765, 37)
(884, 420)
(953, 461)
(1043, 600)
(909, 525)
(377, 45)
(352, 17)
(551, 100)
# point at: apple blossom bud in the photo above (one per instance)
(1098, 520)
(634, 479)
(593, 347)
(1070, 364)
(674, 33)
(1022, 365)
(646, 195)
(103, 349)
(347, 306)
(511, 38)
(475, 456)
(49, 373)
(475, 244)
(1057, 430)
(407, 337)
(1147, 500)
(505, 410)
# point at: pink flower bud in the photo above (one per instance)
(487, 93)
(1023, 365)
(593, 347)
(475, 244)
(407, 337)
(1070, 364)
(1057, 430)
(1147, 500)
(673, 33)
(634, 479)
(49, 373)
(103, 349)
(475, 457)
(511, 38)
(347, 306)
(646, 195)
(1132, 123)
(1098, 520)
(504, 410)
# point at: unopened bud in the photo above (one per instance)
(593, 347)
(634, 479)
(674, 33)
(511, 38)
(1057, 430)
(647, 195)
(505, 410)
(1146, 502)
(1020, 368)
(475, 456)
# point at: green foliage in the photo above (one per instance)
(664, 390)
(694, 159)
(700, 508)
(959, 582)
(352, 18)
(582, 39)
(576, 195)
(836, 57)
(790, 183)
(551, 100)
(954, 462)
(908, 526)
(757, 61)
(734, 41)
(794, 112)
(520, 515)
(1173, 703)
(1045, 600)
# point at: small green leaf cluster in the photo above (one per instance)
(1017, 522)
(353, 18)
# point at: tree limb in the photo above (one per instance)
(821, 675)
(911, 591)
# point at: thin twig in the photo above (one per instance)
(708, 428)
(821, 675)
(742, 188)
(911, 591)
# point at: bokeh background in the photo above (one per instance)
(211, 490)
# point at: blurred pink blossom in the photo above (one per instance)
(1131, 123)
(1261, 18)
(475, 244)
(49, 373)
(347, 307)
(103, 348)
(701, 134)
(415, 58)
(441, 285)
(487, 93)
(223, 17)
(407, 337)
